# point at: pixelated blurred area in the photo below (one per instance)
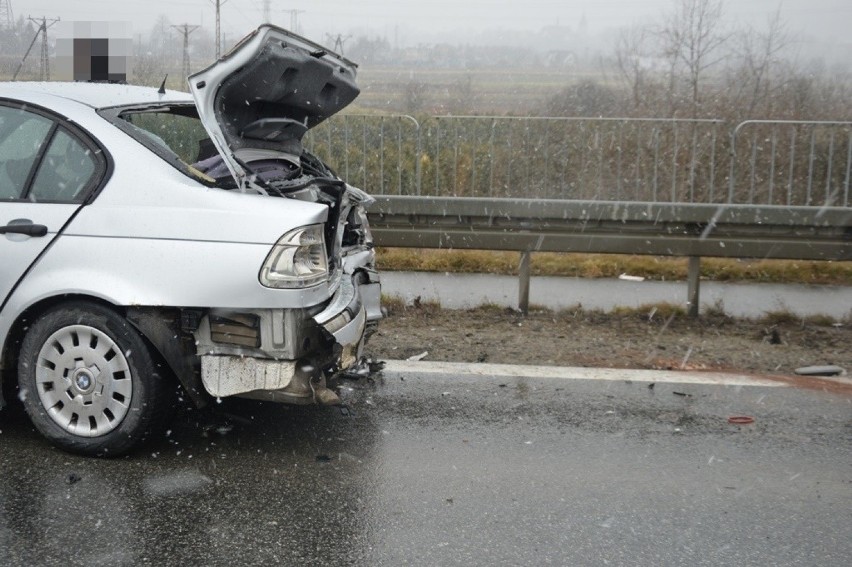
(93, 51)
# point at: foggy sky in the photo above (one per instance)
(412, 21)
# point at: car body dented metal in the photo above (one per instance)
(196, 239)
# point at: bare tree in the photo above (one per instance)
(692, 36)
(759, 52)
(585, 98)
(414, 96)
(161, 42)
(631, 53)
(461, 98)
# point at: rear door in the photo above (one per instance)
(47, 168)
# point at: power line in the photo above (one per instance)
(186, 29)
(44, 63)
(7, 18)
(294, 19)
(218, 4)
(338, 41)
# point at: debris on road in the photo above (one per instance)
(826, 370)
(418, 357)
(366, 366)
(741, 419)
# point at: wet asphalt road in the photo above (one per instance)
(448, 470)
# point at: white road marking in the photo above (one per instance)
(576, 373)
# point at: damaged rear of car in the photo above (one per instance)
(256, 104)
(209, 246)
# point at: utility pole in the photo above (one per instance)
(7, 18)
(338, 41)
(218, 4)
(44, 68)
(186, 29)
(294, 20)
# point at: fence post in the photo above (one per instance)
(418, 154)
(524, 283)
(418, 162)
(693, 285)
(732, 166)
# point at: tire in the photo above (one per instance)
(89, 381)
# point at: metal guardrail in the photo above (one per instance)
(692, 230)
(737, 231)
(603, 159)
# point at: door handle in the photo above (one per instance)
(28, 229)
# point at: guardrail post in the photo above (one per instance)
(693, 285)
(524, 282)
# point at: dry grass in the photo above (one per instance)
(613, 265)
(394, 305)
(788, 318)
(666, 311)
(661, 313)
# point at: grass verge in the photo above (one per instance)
(662, 313)
(613, 265)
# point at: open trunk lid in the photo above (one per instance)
(261, 97)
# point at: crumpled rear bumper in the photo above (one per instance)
(357, 301)
(344, 322)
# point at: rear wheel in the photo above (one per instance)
(89, 382)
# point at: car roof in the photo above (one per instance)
(95, 95)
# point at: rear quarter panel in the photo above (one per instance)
(155, 237)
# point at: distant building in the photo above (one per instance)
(560, 59)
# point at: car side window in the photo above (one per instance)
(22, 135)
(184, 135)
(65, 170)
